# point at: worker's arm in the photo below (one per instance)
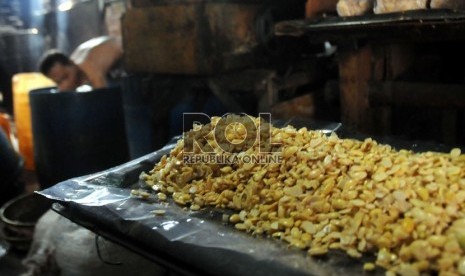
(98, 81)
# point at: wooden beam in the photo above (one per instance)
(417, 94)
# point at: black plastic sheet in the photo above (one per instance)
(188, 242)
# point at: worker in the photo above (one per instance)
(90, 64)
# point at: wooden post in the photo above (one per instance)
(355, 70)
(360, 67)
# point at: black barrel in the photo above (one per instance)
(11, 167)
(77, 133)
(138, 111)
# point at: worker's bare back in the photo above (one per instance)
(96, 57)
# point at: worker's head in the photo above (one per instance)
(61, 69)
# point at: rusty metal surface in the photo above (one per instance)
(190, 37)
(424, 24)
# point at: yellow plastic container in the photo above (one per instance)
(23, 83)
(5, 124)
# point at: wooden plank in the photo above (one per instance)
(189, 38)
(149, 34)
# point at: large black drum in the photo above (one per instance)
(77, 133)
